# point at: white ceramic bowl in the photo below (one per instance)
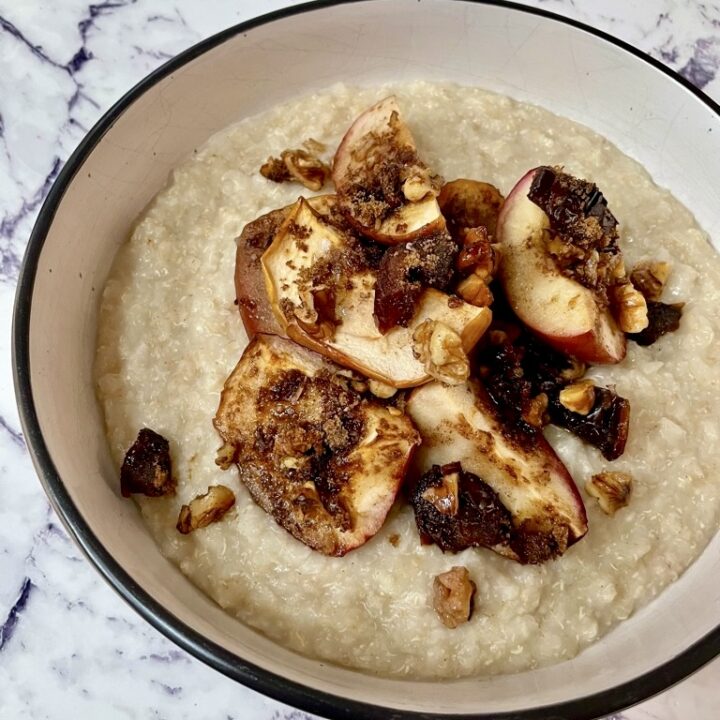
(572, 70)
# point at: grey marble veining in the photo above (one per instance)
(69, 647)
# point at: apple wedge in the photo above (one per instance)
(324, 462)
(386, 192)
(324, 298)
(255, 310)
(560, 310)
(459, 425)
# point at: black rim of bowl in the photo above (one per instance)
(266, 682)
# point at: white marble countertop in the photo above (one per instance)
(69, 647)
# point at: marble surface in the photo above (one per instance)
(69, 647)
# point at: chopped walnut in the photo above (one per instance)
(394, 539)
(473, 290)
(274, 169)
(536, 412)
(300, 165)
(440, 349)
(381, 389)
(612, 490)
(205, 509)
(445, 497)
(478, 255)
(575, 371)
(578, 397)
(315, 147)
(630, 308)
(146, 469)
(650, 278)
(453, 593)
(225, 456)
(417, 186)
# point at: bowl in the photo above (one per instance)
(575, 71)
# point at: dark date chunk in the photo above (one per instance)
(405, 271)
(605, 426)
(146, 469)
(568, 202)
(662, 319)
(584, 244)
(456, 510)
(517, 368)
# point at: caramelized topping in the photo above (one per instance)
(146, 469)
(583, 237)
(456, 510)
(322, 460)
(662, 319)
(375, 186)
(453, 593)
(405, 271)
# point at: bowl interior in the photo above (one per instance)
(530, 57)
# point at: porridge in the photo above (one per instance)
(170, 334)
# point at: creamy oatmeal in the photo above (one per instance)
(170, 334)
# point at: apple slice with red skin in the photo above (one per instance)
(558, 309)
(305, 242)
(459, 424)
(252, 300)
(322, 460)
(374, 160)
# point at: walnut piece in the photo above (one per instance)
(473, 290)
(453, 593)
(478, 254)
(225, 456)
(146, 469)
(575, 371)
(650, 278)
(630, 308)
(417, 186)
(380, 389)
(536, 412)
(205, 509)
(445, 497)
(440, 349)
(612, 490)
(300, 165)
(578, 397)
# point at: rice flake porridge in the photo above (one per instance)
(170, 333)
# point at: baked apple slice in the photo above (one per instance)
(459, 425)
(385, 190)
(561, 263)
(323, 296)
(322, 460)
(255, 310)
